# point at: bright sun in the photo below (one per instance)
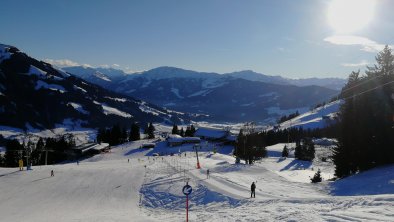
(347, 16)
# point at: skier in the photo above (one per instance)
(207, 173)
(128, 160)
(52, 173)
(252, 189)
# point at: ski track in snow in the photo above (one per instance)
(107, 187)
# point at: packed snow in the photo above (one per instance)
(147, 109)
(107, 110)
(79, 108)
(36, 71)
(41, 84)
(102, 76)
(79, 88)
(117, 99)
(133, 184)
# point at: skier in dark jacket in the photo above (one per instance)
(252, 189)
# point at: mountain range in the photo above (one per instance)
(33, 94)
(233, 97)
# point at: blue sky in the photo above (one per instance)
(279, 37)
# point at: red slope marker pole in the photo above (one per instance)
(187, 208)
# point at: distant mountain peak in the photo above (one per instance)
(36, 94)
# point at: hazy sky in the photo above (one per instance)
(292, 38)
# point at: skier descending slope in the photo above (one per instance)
(253, 190)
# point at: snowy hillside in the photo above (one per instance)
(33, 94)
(317, 118)
(129, 184)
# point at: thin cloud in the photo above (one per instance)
(61, 62)
(365, 43)
(361, 63)
(106, 66)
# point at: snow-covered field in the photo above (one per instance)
(129, 184)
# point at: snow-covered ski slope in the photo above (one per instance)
(316, 118)
(117, 186)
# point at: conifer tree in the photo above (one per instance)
(116, 135)
(181, 133)
(305, 150)
(151, 131)
(192, 130)
(239, 145)
(13, 153)
(285, 152)
(134, 132)
(366, 119)
(37, 153)
(188, 131)
(2, 160)
(124, 136)
(317, 177)
(146, 129)
(175, 129)
(100, 135)
(385, 63)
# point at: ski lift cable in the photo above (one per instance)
(354, 96)
(362, 83)
(354, 86)
(369, 90)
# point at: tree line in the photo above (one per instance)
(46, 150)
(284, 118)
(251, 146)
(366, 129)
(117, 135)
(190, 130)
(54, 150)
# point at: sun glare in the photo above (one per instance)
(347, 16)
